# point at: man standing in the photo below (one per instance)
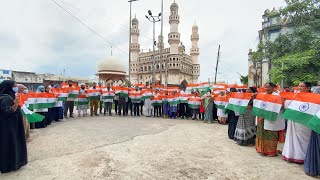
(69, 104)
(122, 100)
(136, 100)
(94, 102)
(101, 102)
(108, 101)
(184, 110)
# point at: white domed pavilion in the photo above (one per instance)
(111, 71)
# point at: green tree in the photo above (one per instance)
(244, 79)
(295, 56)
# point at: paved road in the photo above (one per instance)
(144, 148)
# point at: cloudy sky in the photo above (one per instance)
(39, 36)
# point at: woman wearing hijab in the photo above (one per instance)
(43, 112)
(13, 147)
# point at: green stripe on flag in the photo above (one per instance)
(194, 106)
(268, 115)
(220, 106)
(297, 116)
(314, 124)
(235, 108)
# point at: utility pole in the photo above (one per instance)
(130, 1)
(153, 19)
(161, 48)
(215, 77)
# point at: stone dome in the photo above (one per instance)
(135, 21)
(174, 5)
(111, 64)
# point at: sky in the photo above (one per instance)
(39, 36)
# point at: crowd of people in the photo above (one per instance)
(302, 145)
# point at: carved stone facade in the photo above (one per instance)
(181, 66)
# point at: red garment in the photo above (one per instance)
(202, 110)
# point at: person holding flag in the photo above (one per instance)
(297, 136)
(208, 104)
(94, 102)
(246, 129)
(267, 135)
(82, 101)
(184, 108)
(101, 103)
(136, 100)
(13, 145)
(69, 104)
(26, 124)
(42, 111)
(107, 97)
(222, 116)
(311, 162)
(194, 103)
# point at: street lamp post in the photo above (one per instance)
(130, 1)
(153, 19)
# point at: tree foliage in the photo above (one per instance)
(244, 79)
(295, 56)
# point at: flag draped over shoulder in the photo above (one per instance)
(238, 102)
(302, 108)
(267, 106)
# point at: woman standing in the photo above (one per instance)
(268, 131)
(297, 137)
(246, 129)
(222, 117)
(233, 119)
(208, 106)
(312, 160)
(13, 147)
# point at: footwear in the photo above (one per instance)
(182, 117)
(79, 115)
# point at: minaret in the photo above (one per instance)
(135, 50)
(174, 35)
(194, 52)
(160, 43)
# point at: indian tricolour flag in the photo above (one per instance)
(220, 102)
(191, 87)
(238, 102)
(135, 96)
(82, 100)
(108, 96)
(40, 101)
(303, 108)
(31, 116)
(156, 101)
(314, 123)
(267, 106)
(183, 97)
(73, 93)
(93, 94)
(121, 91)
(172, 101)
(62, 96)
(194, 102)
(147, 94)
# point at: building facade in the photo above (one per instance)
(180, 66)
(258, 72)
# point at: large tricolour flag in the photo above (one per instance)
(267, 106)
(238, 102)
(31, 116)
(303, 108)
